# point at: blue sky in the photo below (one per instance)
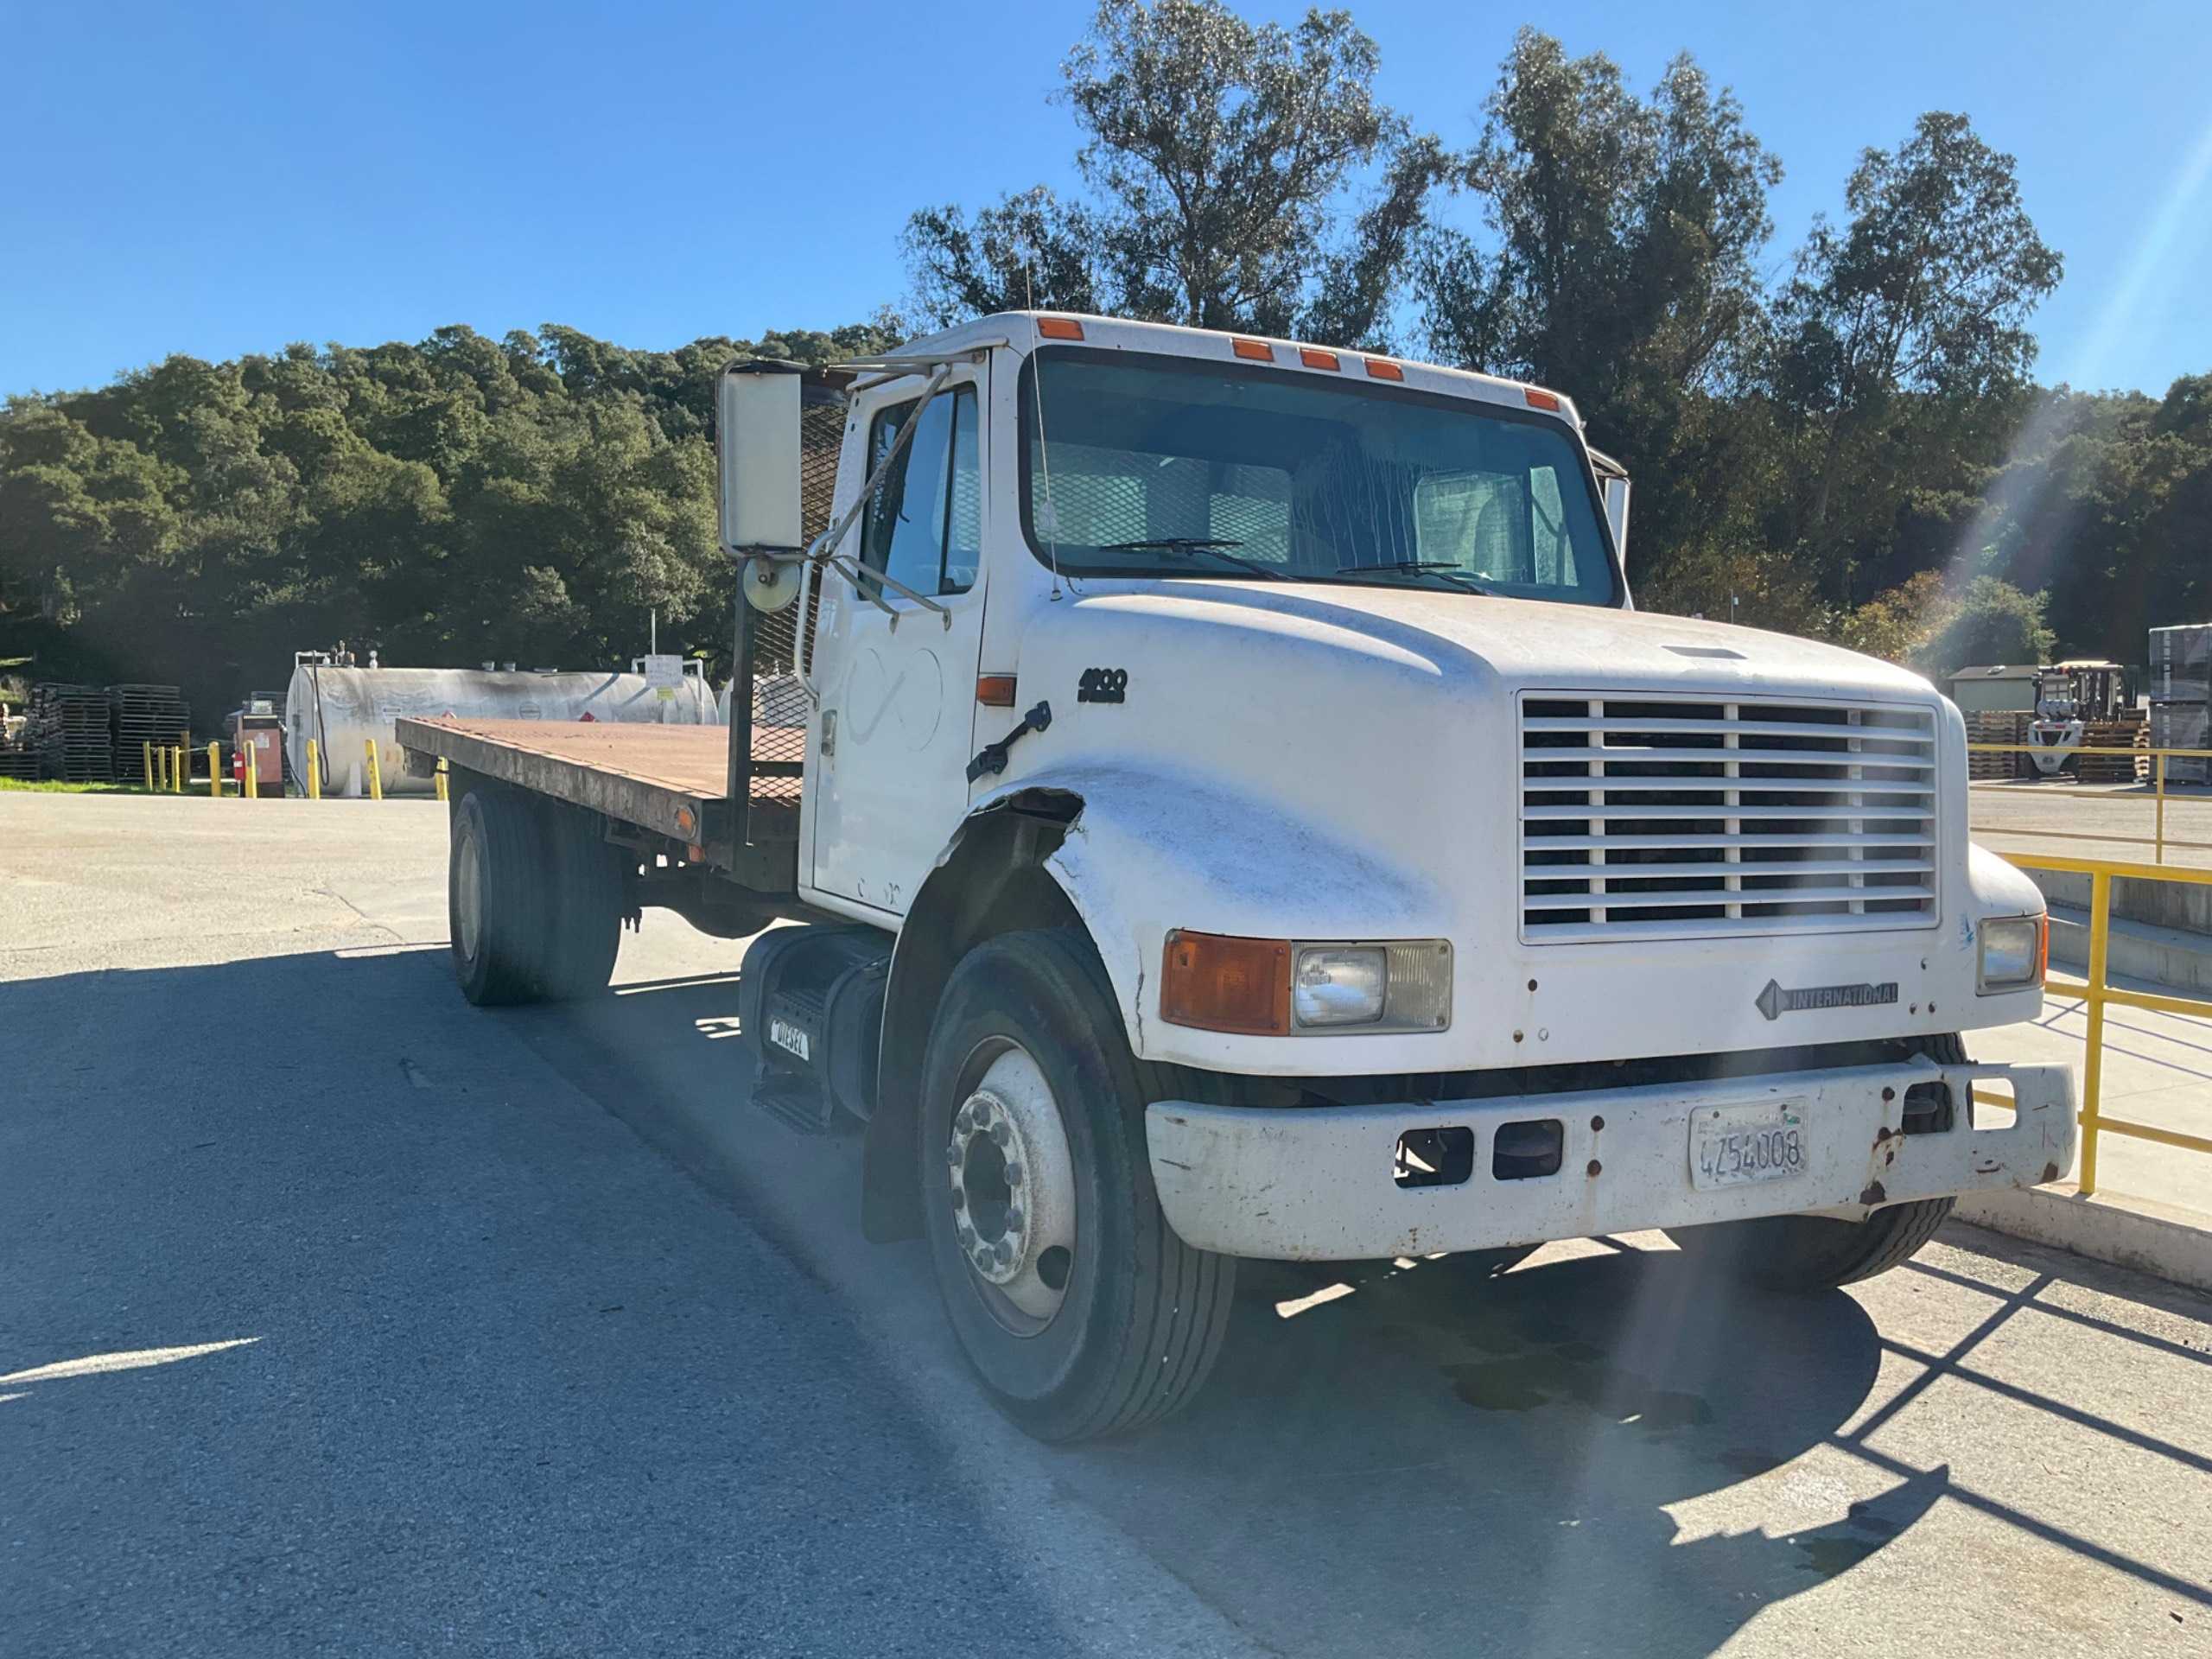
(217, 178)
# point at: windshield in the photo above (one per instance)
(1162, 466)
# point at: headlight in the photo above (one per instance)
(1337, 985)
(1285, 988)
(2014, 950)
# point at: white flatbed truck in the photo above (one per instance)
(1234, 809)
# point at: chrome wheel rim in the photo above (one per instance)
(1011, 1182)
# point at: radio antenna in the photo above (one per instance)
(1052, 525)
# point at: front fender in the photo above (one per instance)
(1154, 848)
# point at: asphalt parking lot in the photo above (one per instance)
(337, 1316)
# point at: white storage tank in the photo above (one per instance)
(342, 707)
(778, 700)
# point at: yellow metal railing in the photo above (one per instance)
(2156, 840)
(2097, 993)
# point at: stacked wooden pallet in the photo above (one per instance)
(69, 730)
(2112, 735)
(140, 714)
(1997, 726)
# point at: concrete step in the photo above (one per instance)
(2176, 958)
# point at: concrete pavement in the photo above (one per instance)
(548, 1342)
(2114, 821)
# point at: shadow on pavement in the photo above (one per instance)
(558, 1388)
(1414, 1458)
(337, 1322)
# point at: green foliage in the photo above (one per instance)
(1217, 153)
(1992, 622)
(50, 786)
(1903, 330)
(530, 499)
(1856, 453)
(1618, 262)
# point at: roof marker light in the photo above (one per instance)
(1541, 399)
(1059, 328)
(1381, 368)
(1258, 350)
(1313, 357)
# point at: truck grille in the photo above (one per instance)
(1677, 817)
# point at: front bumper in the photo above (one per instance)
(1316, 1183)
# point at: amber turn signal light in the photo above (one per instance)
(994, 690)
(1216, 982)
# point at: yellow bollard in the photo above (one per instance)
(159, 761)
(441, 780)
(376, 777)
(2093, 1064)
(215, 772)
(2161, 764)
(314, 772)
(250, 771)
(177, 770)
(149, 748)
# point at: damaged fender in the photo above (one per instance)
(1153, 849)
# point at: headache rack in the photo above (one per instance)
(767, 731)
(1651, 816)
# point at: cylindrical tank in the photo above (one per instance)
(342, 707)
(778, 700)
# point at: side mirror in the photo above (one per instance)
(756, 453)
(1616, 496)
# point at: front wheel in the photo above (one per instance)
(1077, 1304)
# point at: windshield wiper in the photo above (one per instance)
(1217, 546)
(1446, 568)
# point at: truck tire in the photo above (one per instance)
(495, 909)
(584, 931)
(1078, 1305)
(1813, 1253)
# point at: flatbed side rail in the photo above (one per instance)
(627, 796)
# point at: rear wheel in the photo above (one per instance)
(1077, 1304)
(495, 921)
(1810, 1253)
(584, 931)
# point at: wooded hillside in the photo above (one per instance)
(1855, 448)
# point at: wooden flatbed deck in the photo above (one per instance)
(672, 780)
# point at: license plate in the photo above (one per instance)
(1733, 1145)
(790, 1037)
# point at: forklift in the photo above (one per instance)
(2069, 697)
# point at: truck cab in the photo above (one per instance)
(1240, 812)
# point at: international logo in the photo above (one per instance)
(1775, 1002)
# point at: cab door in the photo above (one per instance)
(897, 724)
